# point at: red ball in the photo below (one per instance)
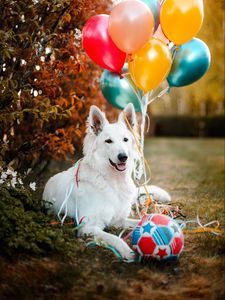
(158, 237)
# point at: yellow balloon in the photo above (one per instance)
(181, 19)
(150, 65)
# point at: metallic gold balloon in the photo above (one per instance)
(150, 65)
(181, 19)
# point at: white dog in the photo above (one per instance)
(100, 186)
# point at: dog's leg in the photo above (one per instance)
(130, 223)
(109, 239)
(157, 193)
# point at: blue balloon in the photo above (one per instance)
(119, 91)
(191, 62)
(154, 6)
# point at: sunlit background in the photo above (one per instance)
(206, 96)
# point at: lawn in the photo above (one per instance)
(192, 170)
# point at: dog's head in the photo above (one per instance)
(111, 144)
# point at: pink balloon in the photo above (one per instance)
(160, 35)
(131, 24)
(99, 46)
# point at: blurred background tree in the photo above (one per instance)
(206, 96)
(47, 83)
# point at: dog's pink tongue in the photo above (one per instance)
(121, 167)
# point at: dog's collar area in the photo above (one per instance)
(119, 167)
(77, 172)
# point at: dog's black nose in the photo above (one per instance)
(122, 157)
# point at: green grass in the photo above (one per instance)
(192, 170)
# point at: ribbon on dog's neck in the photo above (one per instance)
(77, 173)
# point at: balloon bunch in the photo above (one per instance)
(156, 39)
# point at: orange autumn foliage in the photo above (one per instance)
(47, 82)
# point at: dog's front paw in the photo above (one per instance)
(126, 252)
(129, 256)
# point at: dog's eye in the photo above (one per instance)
(109, 141)
(125, 139)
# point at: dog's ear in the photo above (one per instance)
(97, 120)
(128, 114)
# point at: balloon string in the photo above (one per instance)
(149, 200)
(133, 88)
(138, 146)
(162, 93)
(144, 107)
(148, 122)
(141, 168)
(174, 49)
(144, 102)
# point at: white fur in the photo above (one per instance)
(104, 194)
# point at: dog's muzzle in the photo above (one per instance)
(119, 167)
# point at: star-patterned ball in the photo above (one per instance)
(158, 237)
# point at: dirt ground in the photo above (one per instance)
(192, 170)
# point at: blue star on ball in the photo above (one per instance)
(147, 228)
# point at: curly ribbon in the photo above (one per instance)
(202, 228)
(83, 221)
(64, 203)
(69, 190)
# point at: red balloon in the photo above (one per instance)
(99, 46)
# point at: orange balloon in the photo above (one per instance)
(131, 24)
(150, 65)
(181, 19)
(160, 35)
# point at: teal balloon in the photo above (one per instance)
(154, 6)
(191, 62)
(119, 90)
